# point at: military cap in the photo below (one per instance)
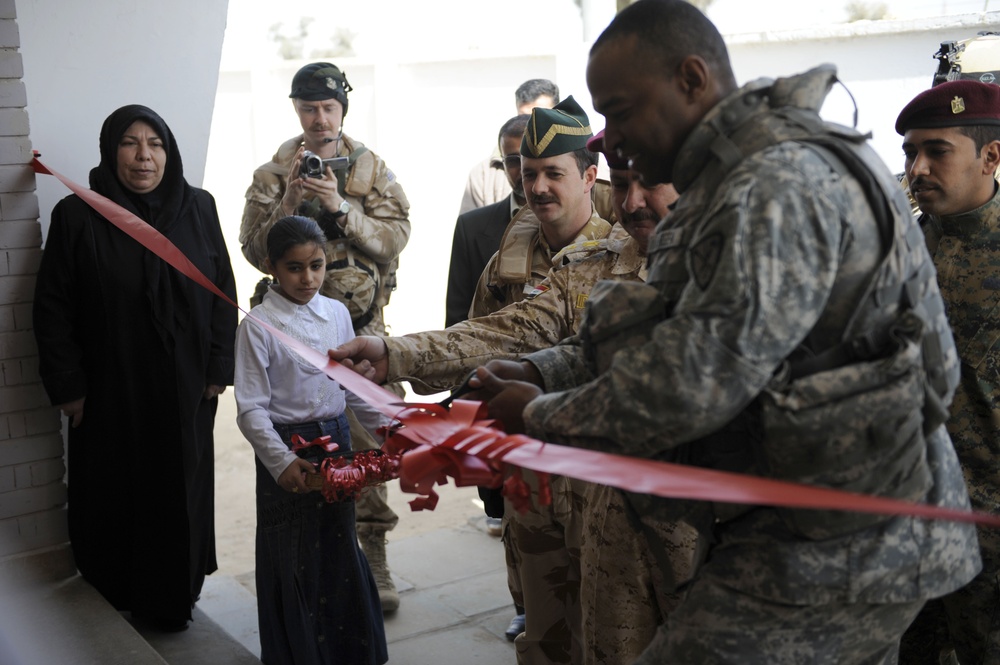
(321, 80)
(555, 131)
(952, 104)
(615, 160)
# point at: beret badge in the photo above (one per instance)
(957, 105)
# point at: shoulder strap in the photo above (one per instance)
(342, 173)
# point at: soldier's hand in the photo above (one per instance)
(364, 354)
(505, 398)
(293, 190)
(515, 370)
(324, 190)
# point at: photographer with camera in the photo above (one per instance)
(348, 189)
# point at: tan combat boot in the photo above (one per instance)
(373, 544)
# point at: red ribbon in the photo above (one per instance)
(436, 443)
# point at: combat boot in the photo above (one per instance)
(373, 544)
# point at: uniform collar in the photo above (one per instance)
(985, 218)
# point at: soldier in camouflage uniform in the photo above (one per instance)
(559, 226)
(556, 221)
(623, 595)
(952, 147)
(364, 213)
(790, 327)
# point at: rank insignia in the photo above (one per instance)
(957, 105)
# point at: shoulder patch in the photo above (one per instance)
(705, 259)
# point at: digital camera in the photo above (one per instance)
(313, 166)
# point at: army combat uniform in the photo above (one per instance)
(745, 351)
(622, 597)
(361, 273)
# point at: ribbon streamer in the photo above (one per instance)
(436, 443)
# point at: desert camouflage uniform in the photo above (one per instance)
(965, 250)
(376, 231)
(550, 597)
(762, 258)
(524, 259)
(623, 597)
(542, 545)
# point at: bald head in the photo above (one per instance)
(667, 31)
(654, 73)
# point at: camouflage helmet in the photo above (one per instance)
(977, 59)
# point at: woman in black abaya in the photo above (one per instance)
(135, 355)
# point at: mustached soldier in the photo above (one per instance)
(357, 201)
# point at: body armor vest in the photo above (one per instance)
(851, 417)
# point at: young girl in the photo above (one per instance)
(317, 602)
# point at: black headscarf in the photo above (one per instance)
(162, 208)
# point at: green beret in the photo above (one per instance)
(556, 131)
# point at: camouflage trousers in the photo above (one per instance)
(542, 547)
(372, 511)
(583, 569)
(625, 592)
(966, 622)
(715, 625)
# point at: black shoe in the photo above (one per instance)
(515, 628)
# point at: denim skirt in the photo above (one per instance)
(317, 602)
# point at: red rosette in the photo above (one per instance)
(345, 476)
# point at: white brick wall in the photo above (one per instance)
(32, 491)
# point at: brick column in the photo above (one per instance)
(32, 491)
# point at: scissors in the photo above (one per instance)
(462, 389)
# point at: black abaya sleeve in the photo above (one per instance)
(57, 308)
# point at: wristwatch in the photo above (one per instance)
(345, 207)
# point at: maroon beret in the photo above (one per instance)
(952, 104)
(596, 144)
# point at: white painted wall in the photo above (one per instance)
(431, 119)
(884, 64)
(83, 60)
